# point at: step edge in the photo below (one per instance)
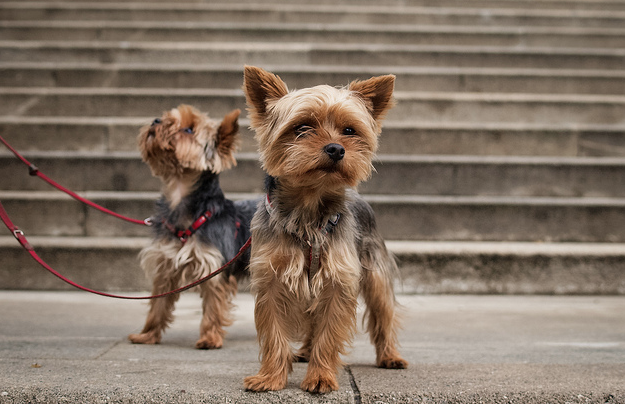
(309, 47)
(381, 159)
(302, 8)
(397, 247)
(399, 199)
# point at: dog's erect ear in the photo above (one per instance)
(260, 86)
(229, 125)
(227, 136)
(377, 92)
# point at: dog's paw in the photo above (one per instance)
(302, 356)
(210, 341)
(149, 338)
(263, 383)
(320, 384)
(392, 363)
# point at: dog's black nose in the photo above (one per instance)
(335, 151)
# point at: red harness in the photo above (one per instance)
(183, 235)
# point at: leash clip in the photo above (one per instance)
(21, 238)
(32, 169)
(148, 221)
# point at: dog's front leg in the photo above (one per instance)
(274, 328)
(333, 327)
(160, 315)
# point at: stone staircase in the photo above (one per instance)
(501, 170)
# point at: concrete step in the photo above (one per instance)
(400, 217)
(307, 13)
(432, 106)
(577, 5)
(113, 134)
(111, 264)
(142, 75)
(288, 54)
(505, 267)
(394, 175)
(478, 77)
(219, 32)
(98, 262)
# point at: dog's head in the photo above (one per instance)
(184, 139)
(319, 136)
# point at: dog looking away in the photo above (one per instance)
(196, 229)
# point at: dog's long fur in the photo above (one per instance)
(316, 145)
(187, 150)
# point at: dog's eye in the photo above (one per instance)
(188, 130)
(156, 121)
(301, 130)
(349, 132)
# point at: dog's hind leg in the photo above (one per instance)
(303, 354)
(381, 308)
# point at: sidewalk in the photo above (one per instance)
(71, 347)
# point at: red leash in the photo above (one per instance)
(21, 238)
(34, 171)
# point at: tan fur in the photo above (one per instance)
(334, 109)
(293, 130)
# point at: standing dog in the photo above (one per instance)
(315, 246)
(196, 228)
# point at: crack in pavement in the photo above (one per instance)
(355, 389)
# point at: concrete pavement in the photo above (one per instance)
(59, 347)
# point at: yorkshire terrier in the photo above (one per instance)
(196, 229)
(315, 245)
